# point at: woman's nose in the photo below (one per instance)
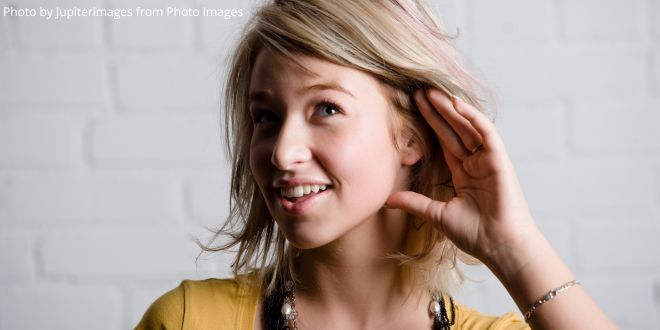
(291, 147)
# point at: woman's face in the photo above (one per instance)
(322, 151)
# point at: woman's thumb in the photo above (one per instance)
(416, 204)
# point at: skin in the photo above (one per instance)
(346, 232)
(489, 217)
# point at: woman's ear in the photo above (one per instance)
(410, 150)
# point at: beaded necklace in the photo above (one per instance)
(280, 310)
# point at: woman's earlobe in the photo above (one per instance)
(411, 153)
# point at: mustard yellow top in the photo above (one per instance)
(230, 304)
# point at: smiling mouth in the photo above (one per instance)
(302, 192)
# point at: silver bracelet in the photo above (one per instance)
(548, 296)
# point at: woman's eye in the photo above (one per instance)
(264, 117)
(326, 109)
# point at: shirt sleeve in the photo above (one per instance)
(166, 312)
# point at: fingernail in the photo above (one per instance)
(456, 98)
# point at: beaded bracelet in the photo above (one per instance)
(548, 296)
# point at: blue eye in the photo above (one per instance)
(326, 109)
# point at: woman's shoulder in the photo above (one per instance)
(198, 304)
(470, 319)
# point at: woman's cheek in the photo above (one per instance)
(259, 159)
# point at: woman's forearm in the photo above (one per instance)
(533, 269)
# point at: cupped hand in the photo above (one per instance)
(489, 215)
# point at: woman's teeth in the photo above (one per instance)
(302, 190)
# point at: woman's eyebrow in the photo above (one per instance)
(262, 95)
(325, 86)
(259, 96)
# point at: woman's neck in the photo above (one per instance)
(353, 279)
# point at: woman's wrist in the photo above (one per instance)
(529, 269)
(510, 258)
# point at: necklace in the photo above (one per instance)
(280, 310)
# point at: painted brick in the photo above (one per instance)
(510, 21)
(656, 69)
(209, 196)
(141, 298)
(172, 82)
(601, 19)
(50, 80)
(623, 242)
(55, 199)
(158, 140)
(217, 34)
(587, 71)
(597, 127)
(4, 197)
(579, 71)
(16, 256)
(656, 187)
(60, 306)
(40, 32)
(560, 153)
(526, 127)
(654, 18)
(155, 252)
(629, 286)
(4, 30)
(152, 32)
(589, 188)
(40, 140)
(656, 297)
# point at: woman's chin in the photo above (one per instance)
(307, 240)
(305, 243)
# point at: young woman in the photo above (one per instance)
(363, 168)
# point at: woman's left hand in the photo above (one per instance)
(488, 218)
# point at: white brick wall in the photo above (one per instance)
(16, 256)
(599, 132)
(655, 70)
(604, 20)
(60, 306)
(75, 34)
(111, 150)
(156, 33)
(4, 33)
(180, 139)
(511, 21)
(601, 245)
(59, 199)
(44, 78)
(170, 81)
(117, 253)
(638, 288)
(45, 140)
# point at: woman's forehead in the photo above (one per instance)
(277, 73)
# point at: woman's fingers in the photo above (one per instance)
(483, 125)
(445, 133)
(469, 136)
(417, 204)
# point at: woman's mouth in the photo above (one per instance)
(297, 199)
(296, 192)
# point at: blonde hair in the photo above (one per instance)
(401, 44)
